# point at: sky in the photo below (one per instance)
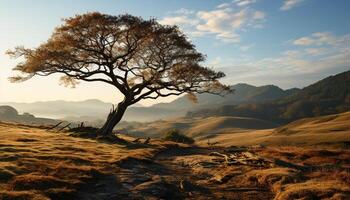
(288, 43)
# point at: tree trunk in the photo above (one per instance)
(113, 119)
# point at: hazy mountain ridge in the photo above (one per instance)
(61, 108)
(328, 96)
(269, 102)
(95, 109)
(10, 114)
(243, 93)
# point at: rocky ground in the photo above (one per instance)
(40, 164)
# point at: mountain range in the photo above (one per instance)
(328, 96)
(268, 102)
(93, 109)
(8, 113)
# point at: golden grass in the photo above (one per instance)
(315, 189)
(41, 165)
(273, 178)
(202, 127)
(319, 131)
(326, 174)
(36, 164)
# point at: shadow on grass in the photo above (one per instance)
(139, 146)
(92, 133)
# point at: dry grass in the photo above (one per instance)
(36, 164)
(41, 165)
(202, 127)
(326, 173)
(315, 189)
(319, 131)
(273, 177)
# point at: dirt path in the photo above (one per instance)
(190, 170)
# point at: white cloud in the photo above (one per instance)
(184, 11)
(177, 20)
(289, 4)
(296, 66)
(243, 2)
(304, 41)
(224, 5)
(322, 38)
(316, 51)
(224, 22)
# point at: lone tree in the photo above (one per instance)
(141, 58)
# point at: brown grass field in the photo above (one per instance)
(39, 164)
(330, 130)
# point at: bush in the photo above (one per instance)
(175, 136)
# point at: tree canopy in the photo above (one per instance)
(141, 58)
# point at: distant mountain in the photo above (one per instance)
(328, 96)
(61, 109)
(10, 114)
(268, 102)
(95, 111)
(243, 93)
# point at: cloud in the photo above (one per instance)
(316, 51)
(243, 2)
(225, 22)
(184, 11)
(289, 4)
(224, 5)
(304, 41)
(321, 39)
(177, 20)
(296, 66)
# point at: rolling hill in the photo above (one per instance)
(328, 96)
(198, 127)
(37, 164)
(269, 102)
(324, 130)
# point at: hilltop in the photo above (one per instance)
(330, 130)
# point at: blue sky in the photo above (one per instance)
(289, 43)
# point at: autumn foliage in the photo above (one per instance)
(141, 58)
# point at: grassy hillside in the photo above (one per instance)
(39, 165)
(199, 127)
(325, 130)
(328, 96)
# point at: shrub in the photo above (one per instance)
(175, 136)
